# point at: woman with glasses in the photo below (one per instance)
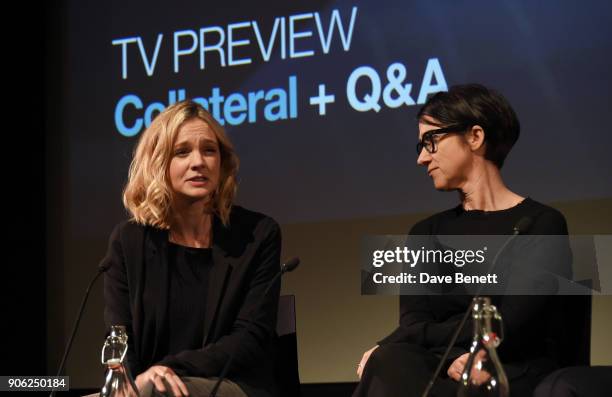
(465, 135)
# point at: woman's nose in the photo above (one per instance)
(197, 160)
(424, 157)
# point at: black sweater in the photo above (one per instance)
(532, 341)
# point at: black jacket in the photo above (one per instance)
(246, 257)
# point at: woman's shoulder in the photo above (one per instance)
(246, 227)
(243, 214)
(544, 218)
(129, 233)
(247, 220)
(128, 226)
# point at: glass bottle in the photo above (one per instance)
(118, 381)
(483, 374)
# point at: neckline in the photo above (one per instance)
(188, 248)
(521, 204)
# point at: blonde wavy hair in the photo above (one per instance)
(148, 193)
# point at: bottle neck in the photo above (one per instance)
(481, 316)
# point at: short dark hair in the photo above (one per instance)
(475, 104)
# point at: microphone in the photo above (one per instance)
(102, 268)
(288, 266)
(520, 227)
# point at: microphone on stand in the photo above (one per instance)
(288, 266)
(102, 268)
(519, 228)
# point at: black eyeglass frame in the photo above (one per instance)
(428, 136)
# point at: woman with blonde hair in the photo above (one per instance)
(189, 270)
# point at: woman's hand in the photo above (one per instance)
(456, 368)
(478, 375)
(364, 360)
(157, 374)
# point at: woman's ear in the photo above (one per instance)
(476, 138)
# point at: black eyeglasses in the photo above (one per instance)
(429, 143)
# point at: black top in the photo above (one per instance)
(545, 221)
(189, 270)
(239, 319)
(531, 323)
